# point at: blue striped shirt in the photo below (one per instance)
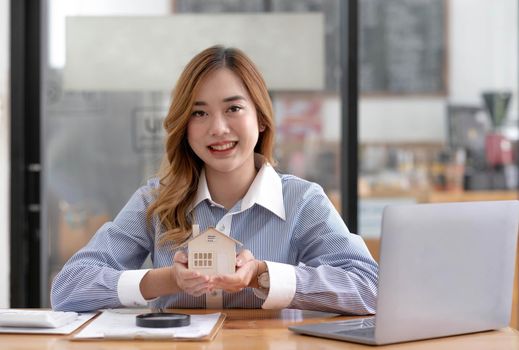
(284, 220)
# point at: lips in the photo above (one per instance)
(224, 146)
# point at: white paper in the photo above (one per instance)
(67, 329)
(118, 324)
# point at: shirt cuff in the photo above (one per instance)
(282, 285)
(128, 288)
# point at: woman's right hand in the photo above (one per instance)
(189, 281)
(173, 279)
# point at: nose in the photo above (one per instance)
(219, 125)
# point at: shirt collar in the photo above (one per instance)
(202, 193)
(266, 190)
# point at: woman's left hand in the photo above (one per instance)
(246, 271)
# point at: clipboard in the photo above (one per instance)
(218, 325)
(121, 325)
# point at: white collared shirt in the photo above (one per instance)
(266, 190)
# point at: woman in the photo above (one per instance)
(217, 172)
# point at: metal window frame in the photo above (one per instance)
(349, 29)
(25, 43)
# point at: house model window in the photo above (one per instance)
(203, 260)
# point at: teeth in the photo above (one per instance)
(223, 147)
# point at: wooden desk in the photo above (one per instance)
(263, 329)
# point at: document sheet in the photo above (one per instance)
(65, 329)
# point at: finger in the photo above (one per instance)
(243, 257)
(225, 279)
(180, 257)
(228, 283)
(195, 294)
(247, 268)
(198, 293)
(185, 278)
(183, 273)
(198, 288)
(190, 275)
(201, 288)
(195, 287)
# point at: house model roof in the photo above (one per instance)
(210, 230)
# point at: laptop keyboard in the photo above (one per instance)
(359, 332)
(366, 322)
(360, 328)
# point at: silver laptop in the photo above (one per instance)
(445, 269)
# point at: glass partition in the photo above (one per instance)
(107, 91)
(438, 109)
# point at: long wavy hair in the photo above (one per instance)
(181, 167)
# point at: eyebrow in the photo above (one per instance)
(233, 98)
(227, 99)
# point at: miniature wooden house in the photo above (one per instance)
(211, 252)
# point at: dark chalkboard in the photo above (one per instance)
(402, 46)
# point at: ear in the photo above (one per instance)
(261, 128)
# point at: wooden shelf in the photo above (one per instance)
(465, 196)
(445, 196)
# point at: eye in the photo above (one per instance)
(198, 114)
(235, 108)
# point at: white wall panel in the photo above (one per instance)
(148, 53)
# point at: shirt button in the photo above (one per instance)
(222, 227)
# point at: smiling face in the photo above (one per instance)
(223, 128)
